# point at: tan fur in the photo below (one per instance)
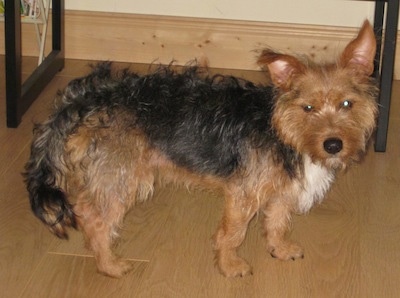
(109, 168)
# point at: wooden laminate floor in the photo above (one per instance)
(351, 241)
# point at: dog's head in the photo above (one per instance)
(326, 111)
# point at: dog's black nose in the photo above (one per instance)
(333, 145)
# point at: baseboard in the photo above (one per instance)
(225, 43)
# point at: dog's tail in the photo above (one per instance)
(43, 177)
(44, 170)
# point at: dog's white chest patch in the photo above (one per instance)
(316, 182)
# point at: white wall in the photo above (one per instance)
(318, 12)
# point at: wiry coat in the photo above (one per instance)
(208, 126)
(276, 149)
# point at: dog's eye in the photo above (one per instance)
(347, 104)
(308, 108)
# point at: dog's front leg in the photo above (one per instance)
(276, 225)
(231, 233)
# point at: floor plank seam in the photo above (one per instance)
(91, 256)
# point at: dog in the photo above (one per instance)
(273, 149)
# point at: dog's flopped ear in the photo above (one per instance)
(282, 68)
(359, 54)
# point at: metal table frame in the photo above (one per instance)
(20, 96)
(384, 63)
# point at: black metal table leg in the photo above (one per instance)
(13, 59)
(20, 96)
(386, 70)
(378, 26)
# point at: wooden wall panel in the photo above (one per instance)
(225, 43)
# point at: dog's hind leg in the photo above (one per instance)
(231, 233)
(100, 229)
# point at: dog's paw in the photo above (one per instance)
(116, 268)
(286, 251)
(230, 265)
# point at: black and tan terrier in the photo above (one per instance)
(275, 149)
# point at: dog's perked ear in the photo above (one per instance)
(282, 68)
(359, 54)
